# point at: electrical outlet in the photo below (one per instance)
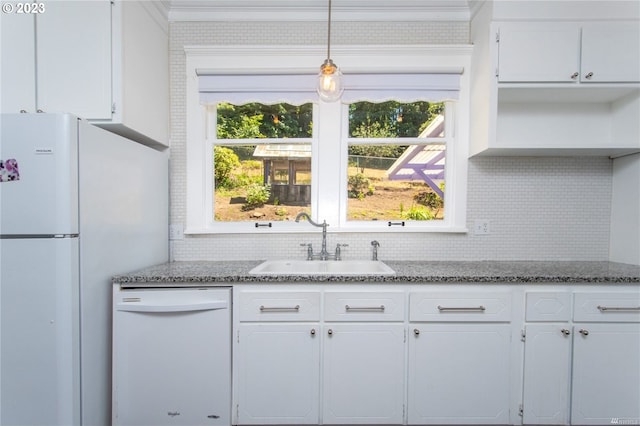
(176, 231)
(481, 227)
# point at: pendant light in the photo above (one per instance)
(329, 78)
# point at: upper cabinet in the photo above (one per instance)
(560, 82)
(103, 61)
(568, 52)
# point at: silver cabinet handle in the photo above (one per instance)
(565, 332)
(416, 331)
(279, 308)
(330, 332)
(619, 308)
(313, 331)
(574, 75)
(584, 332)
(462, 309)
(588, 76)
(363, 308)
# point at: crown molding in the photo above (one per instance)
(316, 10)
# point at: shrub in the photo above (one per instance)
(256, 196)
(429, 199)
(417, 213)
(359, 186)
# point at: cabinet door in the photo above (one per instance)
(73, 55)
(18, 68)
(279, 374)
(459, 374)
(538, 52)
(606, 373)
(547, 368)
(363, 373)
(610, 52)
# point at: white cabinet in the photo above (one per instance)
(363, 359)
(606, 373)
(292, 370)
(48, 66)
(547, 358)
(606, 350)
(279, 373)
(101, 60)
(596, 52)
(459, 361)
(363, 374)
(555, 86)
(547, 372)
(585, 373)
(278, 358)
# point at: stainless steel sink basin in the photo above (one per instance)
(319, 267)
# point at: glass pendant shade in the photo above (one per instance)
(329, 82)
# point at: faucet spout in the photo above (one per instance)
(324, 254)
(304, 215)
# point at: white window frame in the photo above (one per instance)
(329, 144)
(449, 139)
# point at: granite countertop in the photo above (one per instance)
(236, 272)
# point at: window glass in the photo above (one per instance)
(403, 176)
(262, 162)
(256, 120)
(392, 119)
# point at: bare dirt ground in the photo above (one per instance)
(384, 204)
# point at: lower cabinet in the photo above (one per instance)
(606, 374)
(547, 374)
(493, 355)
(459, 358)
(459, 374)
(363, 374)
(279, 373)
(585, 373)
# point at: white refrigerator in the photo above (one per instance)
(78, 204)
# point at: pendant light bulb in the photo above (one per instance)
(329, 82)
(329, 79)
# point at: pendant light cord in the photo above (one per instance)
(329, 33)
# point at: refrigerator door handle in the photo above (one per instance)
(136, 306)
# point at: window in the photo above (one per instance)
(261, 161)
(261, 147)
(396, 161)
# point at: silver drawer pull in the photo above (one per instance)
(279, 308)
(462, 309)
(619, 308)
(363, 308)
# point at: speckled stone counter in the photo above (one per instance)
(409, 272)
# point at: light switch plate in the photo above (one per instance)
(176, 231)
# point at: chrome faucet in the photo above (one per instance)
(324, 254)
(375, 245)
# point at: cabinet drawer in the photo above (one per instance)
(607, 307)
(280, 306)
(363, 306)
(548, 306)
(481, 307)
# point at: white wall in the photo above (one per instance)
(538, 208)
(625, 210)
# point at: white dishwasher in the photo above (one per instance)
(172, 356)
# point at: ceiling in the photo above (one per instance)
(316, 10)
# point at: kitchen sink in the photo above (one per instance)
(320, 267)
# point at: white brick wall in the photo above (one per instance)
(538, 208)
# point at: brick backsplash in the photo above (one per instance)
(538, 208)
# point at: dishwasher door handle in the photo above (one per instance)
(209, 305)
